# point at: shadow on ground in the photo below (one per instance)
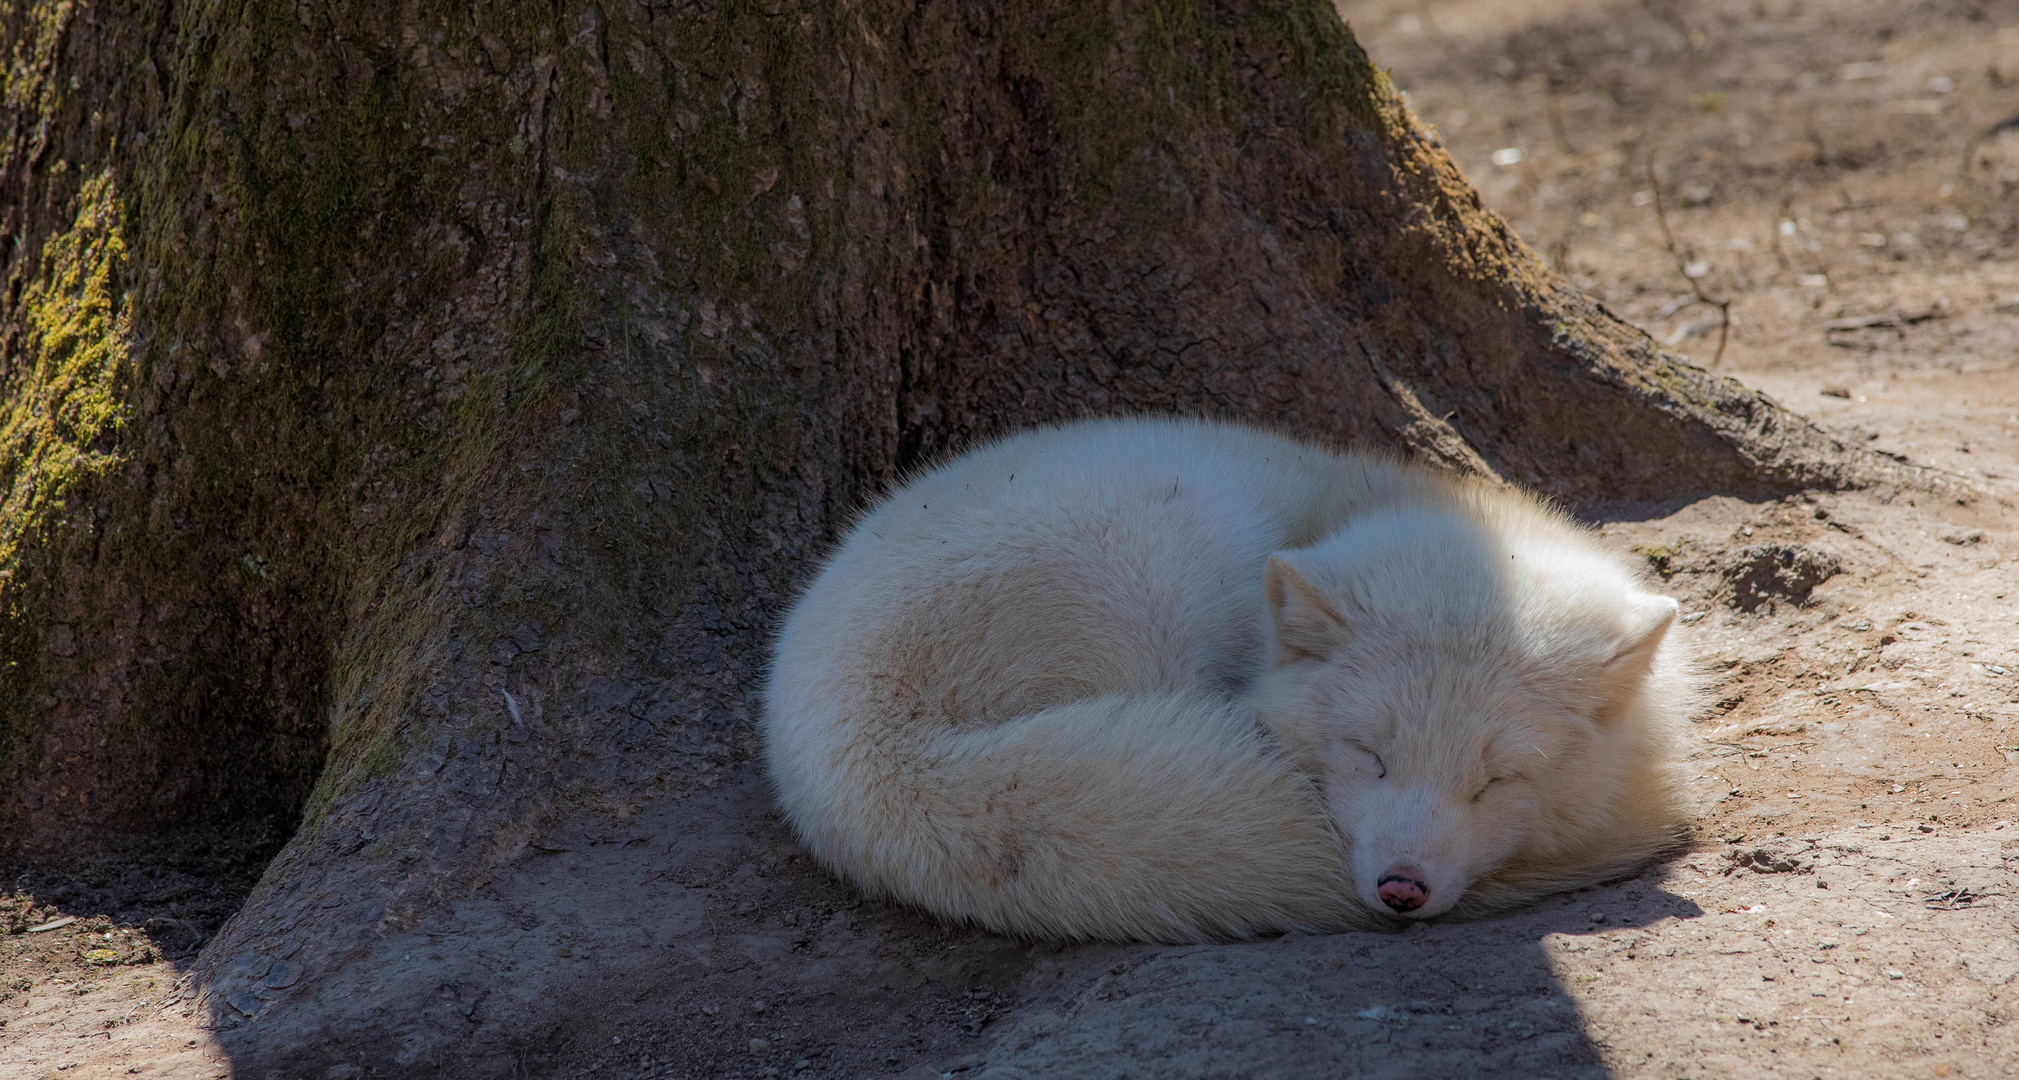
(699, 941)
(120, 901)
(1469, 999)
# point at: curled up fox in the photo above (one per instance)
(1177, 681)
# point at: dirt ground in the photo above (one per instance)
(1835, 178)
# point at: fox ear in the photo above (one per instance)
(1304, 626)
(1647, 622)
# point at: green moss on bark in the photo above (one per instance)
(59, 429)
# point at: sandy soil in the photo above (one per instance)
(1830, 170)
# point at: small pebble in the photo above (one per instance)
(1598, 916)
(758, 1046)
(1895, 973)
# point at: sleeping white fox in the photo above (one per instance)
(1178, 681)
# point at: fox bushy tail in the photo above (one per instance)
(1164, 817)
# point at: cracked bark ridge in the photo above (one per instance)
(467, 391)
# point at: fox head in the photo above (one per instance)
(1484, 704)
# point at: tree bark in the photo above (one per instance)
(417, 418)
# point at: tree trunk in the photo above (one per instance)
(418, 418)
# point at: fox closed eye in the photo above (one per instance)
(1484, 788)
(1380, 767)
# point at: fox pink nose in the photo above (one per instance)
(1403, 888)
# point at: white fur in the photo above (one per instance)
(1130, 679)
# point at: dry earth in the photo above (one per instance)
(1836, 172)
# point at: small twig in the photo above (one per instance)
(1956, 899)
(1896, 320)
(1682, 264)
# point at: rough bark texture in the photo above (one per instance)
(421, 414)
